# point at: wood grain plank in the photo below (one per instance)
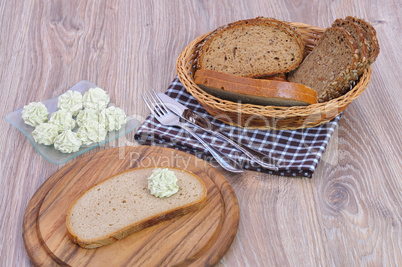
(348, 214)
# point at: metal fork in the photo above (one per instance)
(168, 118)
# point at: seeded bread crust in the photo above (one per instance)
(331, 67)
(371, 37)
(254, 91)
(250, 57)
(122, 205)
(359, 36)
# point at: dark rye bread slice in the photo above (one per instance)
(331, 67)
(359, 35)
(256, 48)
(371, 37)
(254, 91)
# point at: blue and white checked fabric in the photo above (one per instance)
(298, 151)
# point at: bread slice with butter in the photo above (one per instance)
(122, 205)
(254, 91)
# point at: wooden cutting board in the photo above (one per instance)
(198, 238)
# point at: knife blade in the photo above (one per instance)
(199, 121)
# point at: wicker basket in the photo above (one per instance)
(266, 117)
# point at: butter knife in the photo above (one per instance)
(197, 120)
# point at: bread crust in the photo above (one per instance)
(360, 41)
(136, 226)
(243, 88)
(371, 37)
(290, 30)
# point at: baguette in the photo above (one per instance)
(122, 205)
(254, 91)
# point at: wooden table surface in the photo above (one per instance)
(348, 214)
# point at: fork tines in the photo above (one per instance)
(154, 103)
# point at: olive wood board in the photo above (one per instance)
(199, 238)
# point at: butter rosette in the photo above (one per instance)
(67, 142)
(113, 118)
(91, 132)
(96, 98)
(70, 101)
(45, 133)
(163, 183)
(63, 119)
(35, 113)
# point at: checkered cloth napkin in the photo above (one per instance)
(298, 151)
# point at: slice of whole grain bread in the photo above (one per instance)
(359, 35)
(331, 67)
(257, 47)
(371, 37)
